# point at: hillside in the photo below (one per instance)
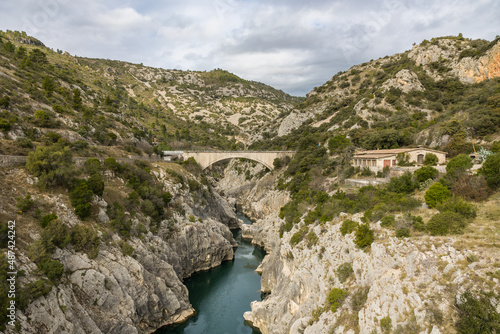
(442, 93)
(124, 107)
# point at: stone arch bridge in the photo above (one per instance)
(207, 158)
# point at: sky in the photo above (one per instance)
(292, 45)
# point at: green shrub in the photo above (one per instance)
(24, 204)
(83, 210)
(167, 197)
(52, 165)
(4, 102)
(477, 315)
(402, 232)
(312, 239)
(96, 184)
(335, 298)
(386, 324)
(112, 165)
(127, 249)
(436, 194)
(459, 164)
(348, 226)
(93, 166)
(344, 271)
(425, 173)
(388, 221)
(53, 269)
(404, 184)
(56, 233)
(430, 159)
(491, 170)
(4, 124)
(458, 205)
(298, 236)
(47, 219)
(364, 236)
(446, 222)
(85, 239)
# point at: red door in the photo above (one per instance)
(387, 163)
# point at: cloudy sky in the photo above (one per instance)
(293, 45)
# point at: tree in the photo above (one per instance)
(77, 99)
(338, 143)
(437, 193)
(42, 119)
(425, 173)
(96, 184)
(53, 165)
(459, 165)
(364, 236)
(5, 102)
(48, 85)
(491, 170)
(430, 159)
(37, 56)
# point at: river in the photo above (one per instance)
(221, 295)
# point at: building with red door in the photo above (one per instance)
(376, 160)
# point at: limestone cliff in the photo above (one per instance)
(410, 283)
(133, 285)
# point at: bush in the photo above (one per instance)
(127, 249)
(335, 298)
(344, 271)
(472, 188)
(167, 197)
(430, 159)
(364, 236)
(52, 165)
(53, 269)
(404, 184)
(298, 236)
(477, 315)
(83, 210)
(348, 226)
(5, 124)
(491, 170)
(459, 165)
(425, 173)
(436, 194)
(93, 166)
(24, 204)
(388, 221)
(446, 222)
(47, 219)
(458, 205)
(386, 324)
(403, 232)
(96, 184)
(85, 239)
(112, 165)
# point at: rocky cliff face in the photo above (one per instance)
(118, 291)
(410, 283)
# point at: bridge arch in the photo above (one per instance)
(208, 158)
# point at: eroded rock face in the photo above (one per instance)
(472, 70)
(137, 293)
(405, 80)
(411, 281)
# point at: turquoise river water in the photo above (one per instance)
(221, 295)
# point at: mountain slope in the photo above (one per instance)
(442, 93)
(123, 107)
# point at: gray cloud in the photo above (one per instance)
(292, 45)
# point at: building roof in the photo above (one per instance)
(390, 152)
(373, 156)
